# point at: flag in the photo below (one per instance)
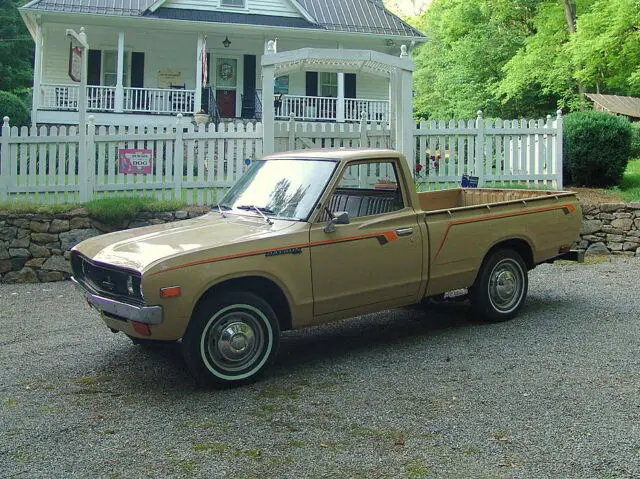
(204, 62)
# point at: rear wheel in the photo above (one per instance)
(501, 286)
(231, 339)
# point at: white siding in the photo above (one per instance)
(372, 87)
(281, 8)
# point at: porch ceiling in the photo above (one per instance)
(345, 61)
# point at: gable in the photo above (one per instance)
(281, 8)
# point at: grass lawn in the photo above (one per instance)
(628, 191)
(630, 184)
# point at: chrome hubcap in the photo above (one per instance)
(506, 285)
(234, 341)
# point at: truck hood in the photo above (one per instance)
(139, 248)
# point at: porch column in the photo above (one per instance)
(200, 54)
(37, 72)
(119, 99)
(340, 106)
(405, 140)
(393, 107)
(268, 110)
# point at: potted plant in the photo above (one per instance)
(201, 117)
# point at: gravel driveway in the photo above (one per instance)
(553, 393)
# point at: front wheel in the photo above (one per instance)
(501, 286)
(231, 339)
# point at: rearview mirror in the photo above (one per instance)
(338, 218)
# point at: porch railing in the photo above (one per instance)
(64, 97)
(372, 110)
(158, 100)
(101, 98)
(326, 108)
(306, 107)
(59, 96)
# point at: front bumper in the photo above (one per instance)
(120, 310)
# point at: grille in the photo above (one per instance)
(107, 281)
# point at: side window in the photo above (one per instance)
(368, 189)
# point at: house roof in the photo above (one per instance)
(622, 105)
(101, 7)
(354, 16)
(360, 16)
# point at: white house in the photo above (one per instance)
(150, 60)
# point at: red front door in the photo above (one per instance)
(226, 100)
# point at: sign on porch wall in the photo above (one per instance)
(135, 161)
(75, 63)
(167, 78)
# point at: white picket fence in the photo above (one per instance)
(497, 152)
(198, 164)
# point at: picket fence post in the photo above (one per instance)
(292, 131)
(178, 159)
(91, 157)
(479, 150)
(5, 159)
(364, 139)
(558, 147)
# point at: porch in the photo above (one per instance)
(136, 78)
(64, 97)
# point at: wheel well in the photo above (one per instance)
(263, 287)
(520, 246)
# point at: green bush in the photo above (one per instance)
(635, 140)
(115, 211)
(12, 106)
(597, 147)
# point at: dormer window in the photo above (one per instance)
(232, 3)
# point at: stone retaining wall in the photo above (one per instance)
(611, 228)
(35, 248)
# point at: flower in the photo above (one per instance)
(419, 168)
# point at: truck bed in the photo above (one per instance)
(433, 201)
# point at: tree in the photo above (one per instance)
(460, 68)
(16, 48)
(606, 47)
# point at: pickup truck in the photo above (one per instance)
(308, 237)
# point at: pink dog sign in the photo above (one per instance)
(135, 161)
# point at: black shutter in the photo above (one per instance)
(94, 61)
(137, 69)
(209, 68)
(350, 85)
(249, 87)
(312, 83)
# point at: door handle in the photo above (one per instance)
(404, 231)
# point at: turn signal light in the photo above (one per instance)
(170, 292)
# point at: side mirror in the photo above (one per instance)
(340, 218)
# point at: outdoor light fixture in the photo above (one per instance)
(226, 42)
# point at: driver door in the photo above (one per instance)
(375, 261)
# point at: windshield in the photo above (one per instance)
(286, 189)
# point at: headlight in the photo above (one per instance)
(130, 286)
(134, 286)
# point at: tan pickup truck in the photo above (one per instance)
(309, 237)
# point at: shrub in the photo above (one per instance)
(635, 140)
(12, 106)
(118, 210)
(597, 147)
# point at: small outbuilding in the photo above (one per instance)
(628, 106)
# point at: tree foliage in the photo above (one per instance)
(515, 58)
(14, 108)
(16, 48)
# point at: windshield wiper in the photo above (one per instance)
(260, 209)
(220, 207)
